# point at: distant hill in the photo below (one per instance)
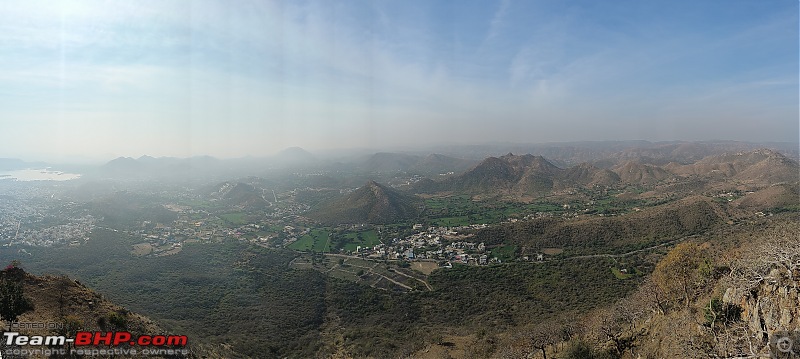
(758, 167)
(567, 154)
(125, 166)
(782, 196)
(239, 194)
(389, 162)
(294, 156)
(371, 203)
(7, 164)
(633, 172)
(437, 163)
(535, 175)
(491, 174)
(386, 162)
(509, 173)
(586, 174)
(161, 167)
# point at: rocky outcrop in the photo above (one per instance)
(770, 306)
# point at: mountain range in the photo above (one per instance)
(529, 174)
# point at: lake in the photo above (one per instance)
(37, 175)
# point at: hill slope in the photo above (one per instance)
(372, 203)
(69, 306)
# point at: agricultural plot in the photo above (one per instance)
(455, 211)
(364, 239)
(236, 218)
(317, 240)
(505, 253)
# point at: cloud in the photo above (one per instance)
(497, 23)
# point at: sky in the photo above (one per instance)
(101, 79)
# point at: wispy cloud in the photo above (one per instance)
(498, 21)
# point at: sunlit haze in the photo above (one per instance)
(100, 79)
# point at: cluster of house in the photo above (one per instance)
(74, 232)
(442, 244)
(33, 216)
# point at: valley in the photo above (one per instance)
(320, 262)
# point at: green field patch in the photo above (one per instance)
(619, 274)
(364, 239)
(236, 218)
(197, 204)
(197, 216)
(452, 221)
(454, 211)
(505, 253)
(544, 207)
(435, 203)
(317, 240)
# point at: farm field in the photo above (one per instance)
(317, 240)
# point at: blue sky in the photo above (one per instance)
(179, 78)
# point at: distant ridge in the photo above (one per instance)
(125, 165)
(158, 167)
(508, 173)
(7, 164)
(535, 175)
(400, 162)
(758, 167)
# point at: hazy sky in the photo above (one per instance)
(232, 78)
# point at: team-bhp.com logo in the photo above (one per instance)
(90, 343)
(785, 345)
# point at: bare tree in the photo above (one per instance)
(776, 257)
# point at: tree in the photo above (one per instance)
(12, 300)
(544, 336)
(683, 272)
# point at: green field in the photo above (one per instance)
(236, 218)
(452, 221)
(505, 253)
(543, 207)
(364, 239)
(317, 240)
(619, 274)
(455, 211)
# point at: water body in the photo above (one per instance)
(37, 175)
